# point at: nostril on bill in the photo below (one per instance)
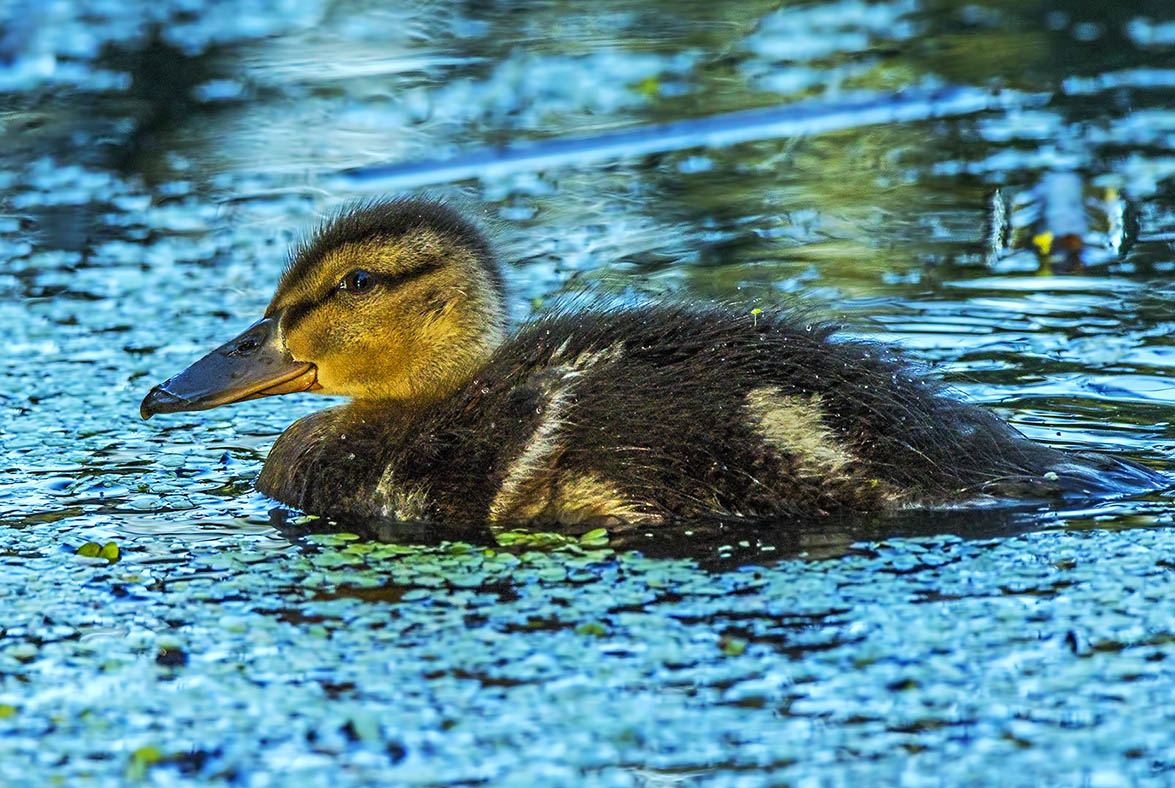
(245, 346)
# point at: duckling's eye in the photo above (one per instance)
(358, 281)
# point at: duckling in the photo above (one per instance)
(630, 415)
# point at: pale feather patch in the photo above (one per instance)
(400, 502)
(795, 425)
(529, 488)
(587, 499)
(524, 493)
(585, 359)
(590, 358)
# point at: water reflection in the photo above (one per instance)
(198, 170)
(722, 545)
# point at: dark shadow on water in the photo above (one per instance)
(728, 545)
(160, 99)
(720, 545)
(424, 534)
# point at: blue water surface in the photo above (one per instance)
(988, 186)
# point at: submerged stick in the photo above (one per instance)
(717, 131)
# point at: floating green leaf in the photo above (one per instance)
(597, 537)
(89, 550)
(732, 647)
(141, 760)
(594, 628)
(109, 551)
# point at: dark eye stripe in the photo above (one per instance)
(296, 313)
(395, 280)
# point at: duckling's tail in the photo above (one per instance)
(1081, 475)
(1090, 474)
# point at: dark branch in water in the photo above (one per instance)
(718, 131)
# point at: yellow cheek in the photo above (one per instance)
(329, 381)
(376, 352)
(348, 365)
(308, 347)
(316, 336)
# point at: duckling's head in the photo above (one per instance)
(397, 300)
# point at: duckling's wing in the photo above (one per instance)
(672, 411)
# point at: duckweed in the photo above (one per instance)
(386, 670)
(732, 647)
(141, 760)
(109, 551)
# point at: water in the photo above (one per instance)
(157, 161)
